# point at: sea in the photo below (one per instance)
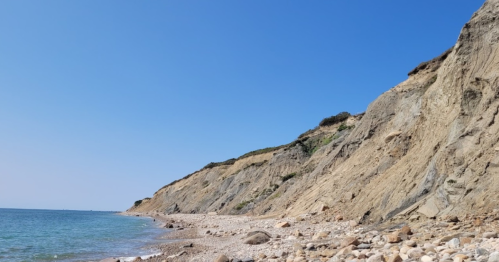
(64, 235)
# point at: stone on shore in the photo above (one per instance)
(494, 257)
(222, 258)
(395, 258)
(489, 235)
(282, 224)
(257, 238)
(393, 238)
(347, 241)
(111, 259)
(406, 230)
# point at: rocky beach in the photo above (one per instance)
(323, 236)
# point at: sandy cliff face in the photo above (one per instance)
(429, 146)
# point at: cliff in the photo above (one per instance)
(428, 146)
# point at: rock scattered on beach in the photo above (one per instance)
(222, 258)
(257, 238)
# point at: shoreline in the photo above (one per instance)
(315, 237)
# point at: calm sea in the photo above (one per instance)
(61, 235)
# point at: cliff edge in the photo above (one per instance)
(429, 146)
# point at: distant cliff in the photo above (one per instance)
(429, 146)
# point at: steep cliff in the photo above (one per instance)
(430, 146)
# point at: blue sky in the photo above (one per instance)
(104, 102)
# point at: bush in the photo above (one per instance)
(242, 205)
(343, 126)
(224, 163)
(288, 177)
(335, 119)
(137, 203)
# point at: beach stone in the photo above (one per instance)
(258, 231)
(393, 238)
(426, 259)
(410, 243)
(349, 241)
(328, 253)
(465, 240)
(352, 223)
(477, 222)
(376, 258)
(494, 257)
(248, 260)
(489, 235)
(415, 253)
(222, 258)
(137, 259)
(338, 218)
(257, 239)
(406, 230)
(395, 258)
(481, 252)
(282, 224)
(111, 259)
(452, 219)
(363, 246)
(310, 246)
(449, 251)
(346, 250)
(404, 249)
(454, 243)
(321, 235)
(449, 237)
(297, 246)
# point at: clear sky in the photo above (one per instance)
(104, 102)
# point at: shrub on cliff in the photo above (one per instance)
(334, 119)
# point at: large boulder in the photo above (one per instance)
(257, 238)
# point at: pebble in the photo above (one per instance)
(489, 235)
(453, 243)
(426, 259)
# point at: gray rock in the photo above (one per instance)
(258, 231)
(257, 239)
(248, 260)
(481, 252)
(494, 257)
(334, 259)
(454, 243)
(363, 246)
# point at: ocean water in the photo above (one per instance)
(61, 235)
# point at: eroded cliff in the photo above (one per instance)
(427, 146)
